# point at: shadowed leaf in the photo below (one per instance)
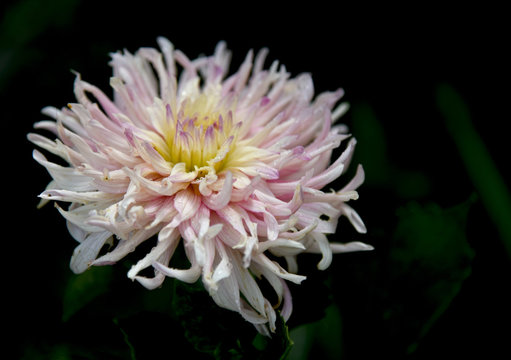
(393, 300)
(430, 260)
(478, 162)
(322, 339)
(84, 288)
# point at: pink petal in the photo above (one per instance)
(223, 197)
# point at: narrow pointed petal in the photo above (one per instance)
(350, 247)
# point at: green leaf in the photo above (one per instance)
(373, 153)
(54, 352)
(480, 167)
(430, 259)
(321, 339)
(392, 298)
(371, 144)
(84, 288)
(16, 37)
(126, 340)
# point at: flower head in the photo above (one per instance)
(231, 166)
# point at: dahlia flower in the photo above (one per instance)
(231, 166)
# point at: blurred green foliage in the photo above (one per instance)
(84, 288)
(319, 339)
(373, 153)
(22, 23)
(478, 162)
(431, 258)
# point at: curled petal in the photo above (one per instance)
(168, 245)
(354, 218)
(277, 269)
(190, 275)
(324, 247)
(287, 309)
(357, 180)
(223, 197)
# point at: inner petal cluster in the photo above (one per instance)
(198, 135)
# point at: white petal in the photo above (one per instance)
(85, 253)
(270, 314)
(287, 308)
(222, 270)
(354, 218)
(169, 243)
(272, 226)
(280, 243)
(190, 275)
(228, 294)
(66, 178)
(151, 283)
(76, 232)
(340, 111)
(277, 269)
(357, 180)
(187, 203)
(231, 215)
(292, 265)
(80, 197)
(80, 220)
(222, 198)
(349, 247)
(325, 249)
(126, 246)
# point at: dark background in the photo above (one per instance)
(447, 295)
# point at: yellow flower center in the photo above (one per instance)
(200, 135)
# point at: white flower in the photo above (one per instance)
(231, 165)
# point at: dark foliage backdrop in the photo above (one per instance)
(428, 90)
